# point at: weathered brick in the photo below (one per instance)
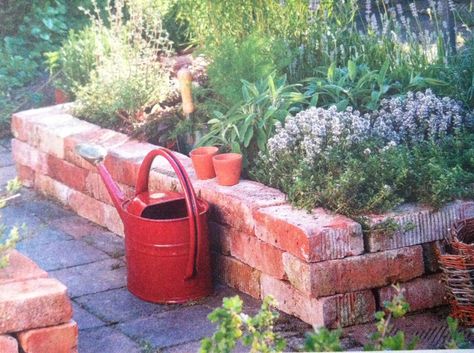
(53, 188)
(29, 156)
(33, 303)
(67, 173)
(112, 220)
(48, 128)
(95, 188)
(421, 293)
(101, 137)
(343, 309)
(417, 225)
(25, 174)
(312, 237)
(57, 339)
(429, 257)
(8, 344)
(87, 207)
(237, 274)
(20, 268)
(257, 254)
(354, 273)
(219, 238)
(234, 205)
(124, 161)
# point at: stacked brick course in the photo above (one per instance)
(35, 311)
(319, 265)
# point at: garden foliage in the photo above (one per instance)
(416, 148)
(8, 236)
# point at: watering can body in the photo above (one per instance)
(166, 237)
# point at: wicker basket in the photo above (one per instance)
(456, 260)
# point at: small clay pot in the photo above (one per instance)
(202, 161)
(228, 167)
(60, 96)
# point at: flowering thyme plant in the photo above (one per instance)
(417, 148)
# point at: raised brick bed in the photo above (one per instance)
(319, 265)
(35, 311)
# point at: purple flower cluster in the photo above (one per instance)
(418, 117)
(415, 118)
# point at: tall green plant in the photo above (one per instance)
(248, 125)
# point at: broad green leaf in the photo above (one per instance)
(331, 72)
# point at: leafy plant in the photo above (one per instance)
(233, 325)
(323, 340)
(458, 340)
(247, 126)
(8, 239)
(128, 77)
(381, 340)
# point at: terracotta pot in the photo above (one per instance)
(60, 96)
(228, 167)
(202, 161)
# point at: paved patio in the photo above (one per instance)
(89, 260)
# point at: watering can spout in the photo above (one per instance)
(95, 155)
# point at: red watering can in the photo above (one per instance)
(166, 236)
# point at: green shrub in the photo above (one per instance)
(253, 58)
(248, 125)
(128, 75)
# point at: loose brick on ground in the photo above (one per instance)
(315, 236)
(57, 339)
(33, 303)
(20, 268)
(421, 293)
(354, 273)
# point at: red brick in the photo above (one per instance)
(33, 303)
(52, 188)
(25, 174)
(234, 205)
(354, 273)
(87, 207)
(418, 224)
(95, 188)
(29, 156)
(67, 173)
(47, 128)
(237, 275)
(124, 161)
(8, 344)
(20, 268)
(101, 137)
(57, 339)
(429, 257)
(338, 310)
(112, 220)
(219, 238)
(421, 293)
(312, 237)
(257, 254)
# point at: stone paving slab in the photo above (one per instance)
(119, 305)
(92, 278)
(6, 174)
(107, 340)
(40, 234)
(68, 253)
(75, 226)
(85, 320)
(108, 242)
(182, 325)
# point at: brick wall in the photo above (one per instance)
(35, 311)
(318, 265)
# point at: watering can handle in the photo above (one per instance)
(189, 194)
